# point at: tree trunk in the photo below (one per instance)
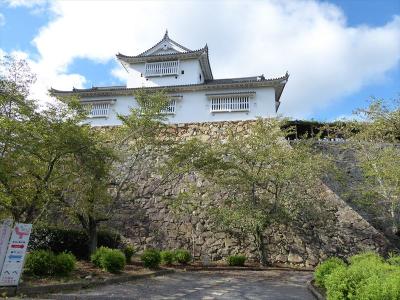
(92, 234)
(259, 238)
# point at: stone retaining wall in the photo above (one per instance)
(150, 223)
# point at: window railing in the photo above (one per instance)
(97, 110)
(170, 109)
(162, 68)
(230, 103)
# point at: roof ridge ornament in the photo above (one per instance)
(166, 35)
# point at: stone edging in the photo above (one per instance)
(56, 288)
(314, 291)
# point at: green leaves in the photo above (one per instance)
(376, 144)
(249, 180)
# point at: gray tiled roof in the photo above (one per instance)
(165, 38)
(212, 85)
(243, 81)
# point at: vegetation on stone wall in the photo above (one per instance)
(375, 142)
(52, 167)
(257, 178)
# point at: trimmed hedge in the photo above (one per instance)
(151, 258)
(368, 276)
(45, 263)
(167, 257)
(98, 256)
(182, 256)
(75, 241)
(112, 260)
(64, 263)
(40, 262)
(236, 260)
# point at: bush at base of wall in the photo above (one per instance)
(44, 262)
(112, 260)
(182, 256)
(236, 260)
(151, 258)
(70, 240)
(367, 276)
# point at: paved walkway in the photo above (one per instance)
(277, 285)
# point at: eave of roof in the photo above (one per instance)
(160, 57)
(218, 84)
(201, 55)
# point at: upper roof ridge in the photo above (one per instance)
(167, 39)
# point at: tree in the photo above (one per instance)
(117, 163)
(375, 140)
(85, 195)
(34, 144)
(143, 144)
(256, 179)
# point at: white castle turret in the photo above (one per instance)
(187, 77)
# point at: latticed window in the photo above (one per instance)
(97, 110)
(230, 103)
(162, 68)
(170, 109)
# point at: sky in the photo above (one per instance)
(339, 53)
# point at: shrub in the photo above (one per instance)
(151, 258)
(182, 256)
(64, 263)
(336, 284)
(44, 263)
(113, 261)
(378, 287)
(326, 268)
(129, 251)
(368, 256)
(98, 255)
(394, 260)
(236, 260)
(367, 277)
(74, 241)
(40, 262)
(167, 257)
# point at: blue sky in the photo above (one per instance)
(66, 51)
(372, 13)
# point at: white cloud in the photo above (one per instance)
(2, 20)
(26, 3)
(326, 58)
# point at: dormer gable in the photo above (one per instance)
(165, 59)
(165, 46)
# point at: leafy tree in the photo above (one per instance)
(143, 144)
(256, 179)
(117, 163)
(84, 194)
(375, 140)
(34, 144)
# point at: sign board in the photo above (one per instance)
(5, 232)
(15, 256)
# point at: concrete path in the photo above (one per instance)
(277, 285)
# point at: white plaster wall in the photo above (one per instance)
(121, 106)
(195, 107)
(191, 76)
